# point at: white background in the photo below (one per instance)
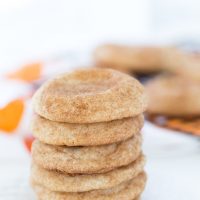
(30, 29)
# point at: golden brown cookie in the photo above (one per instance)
(90, 95)
(94, 159)
(129, 58)
(61, 133)
(63, 182)
(185, 64)
(173, 96)
(125, 191)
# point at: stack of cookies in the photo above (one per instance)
(88, 141)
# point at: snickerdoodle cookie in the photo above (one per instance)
(60, 133)
(128, 190)
(129, 58)
(93, 159)
(90, 95)
(63, 182)
(185, 64)
(173, 96)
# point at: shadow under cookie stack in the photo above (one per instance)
(88, 141)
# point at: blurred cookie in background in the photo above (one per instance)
(131, 59)
(173, 96)
(183, 63)
(174, 102)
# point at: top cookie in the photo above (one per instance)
(90, 95)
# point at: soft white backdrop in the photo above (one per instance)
(40, 27)
(34, 28)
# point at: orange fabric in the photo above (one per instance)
(188, 125)
(10, 115)
(28, 140)
(30, 72)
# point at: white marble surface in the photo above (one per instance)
(31, 29)
(173, 166)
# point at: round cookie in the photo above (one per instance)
(146, 59)
(90, 95)
(62, 182)
(127, 191)
(185, 64)
(60, 133)
(94, 159)
(173, 96)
